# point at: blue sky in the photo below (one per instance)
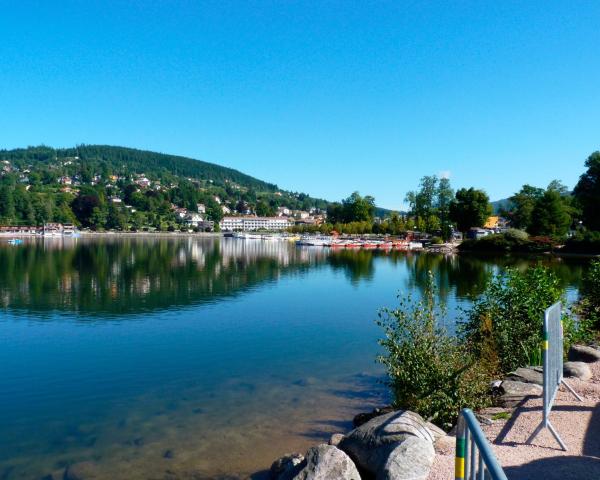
(322, 97)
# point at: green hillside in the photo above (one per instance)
(101, 186)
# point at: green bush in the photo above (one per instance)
(499, 242)
(504, 326)
(430, 372)
(590, 296)
(587, 242)
(511, 241)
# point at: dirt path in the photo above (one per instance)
(578, 424)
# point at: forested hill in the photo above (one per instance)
(131, 160)
(100, 186)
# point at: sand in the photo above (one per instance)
(578, 424)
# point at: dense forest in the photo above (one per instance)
(106, 187)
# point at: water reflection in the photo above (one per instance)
(120, 276)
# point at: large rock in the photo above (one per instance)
(527, 375)
(513, 392)
(326, 462)
(582, 353)
(445, 445)
(364, 417)
(82, 471)
(410, 460)
(370, 444)
(580, 370)
(286, 467)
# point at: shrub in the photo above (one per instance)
(499, 242)
(587, 242)
(504, 326)
(430, 372)
(437, 240)
(589, 305)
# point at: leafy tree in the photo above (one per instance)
(445, 194)
(470, 208)
(86, 209)
(7, 205)
(523, 203)
(115, 219)
(551, 214)
(587, 192)
(358, 209)
(263, 209)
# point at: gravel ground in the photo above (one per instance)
(578, 424)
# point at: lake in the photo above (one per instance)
(198, 357)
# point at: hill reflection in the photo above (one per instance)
(119, 276)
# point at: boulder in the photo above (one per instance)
(445, 445)
(370, 444)
(286, 467)
(527, 375)
(364, 417)
(335, 439)
(582, 353)
(513, 392)
(410, 460)
(580, 370)
(436, 432)
(82, 471)
(326, 462)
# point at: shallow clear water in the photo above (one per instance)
(193, 357)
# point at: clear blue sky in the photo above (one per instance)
(322, 97)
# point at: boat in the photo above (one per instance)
(415, 246)
(15, 241)
(314, 241)
(247, 236)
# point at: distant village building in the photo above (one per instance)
(143, 182)
(301, 214)
(247, 223)
(201, 208)
(477, 233)
(284, 212)
(225, 209)
(65, 180)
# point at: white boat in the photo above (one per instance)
(314, 241)
(415, 246)
(247, 236)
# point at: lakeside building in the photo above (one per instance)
(248, 223)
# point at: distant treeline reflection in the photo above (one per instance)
(109, 277)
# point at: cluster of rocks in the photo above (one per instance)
(386, 445)
(528, 381)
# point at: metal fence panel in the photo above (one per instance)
(552, 347)
(474, 458)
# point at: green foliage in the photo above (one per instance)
(589, 305)
(355, 208)
(584, 242)
(523, 203)
(429, 371)
(95, 173)
(430, 205)
(510, 241)
(470, 208)
(504, 325)
(587, 192)
(552, 213)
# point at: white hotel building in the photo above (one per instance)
(247, 223)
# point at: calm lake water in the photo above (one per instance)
(197, 357)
